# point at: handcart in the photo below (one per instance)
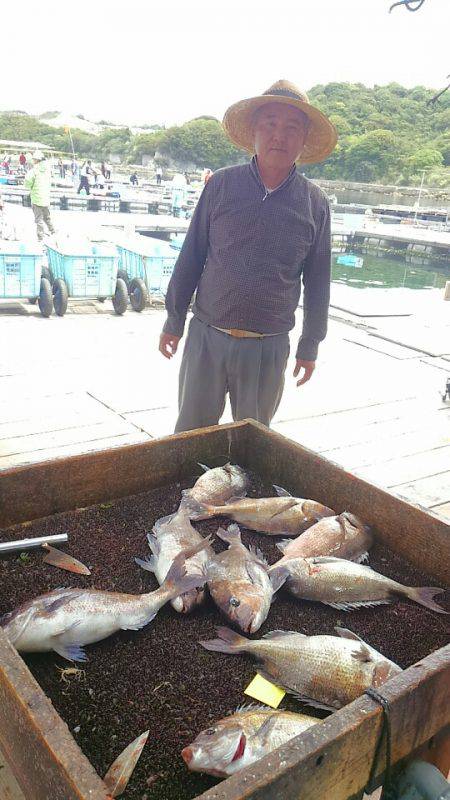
(146, 265)
(22, 275)
(85, 271)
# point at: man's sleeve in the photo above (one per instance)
(189, 266)
(29, 180)
(316, 297)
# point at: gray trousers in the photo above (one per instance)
(41, 215)
(250, 370)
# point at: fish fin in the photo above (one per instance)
(228, 641)
(424, 596)
(162, 521)
(361, 559)
(195, 509)
(253, 570)
(278, 577)
(148, 563)
(72, 652)
(357, 604)
(310, 701)
(281, 492)
(283, 544)
(280, 634)
(141, 621)
(362, 654)
(345, 633)
(8, 617)
(250, 707)
(325, 560)
(204, 467)
(265, 731)
(52, 604)
(153, 543)
(258, 555)
(231, 535)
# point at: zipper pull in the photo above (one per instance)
(266, 195)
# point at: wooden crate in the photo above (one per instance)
(331, 761)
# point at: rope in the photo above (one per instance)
(384, 733)
(408, 4)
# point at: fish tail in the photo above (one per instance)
(177, 581)
(232, 534)
(195, 509)
(424, 595)
(228, 641)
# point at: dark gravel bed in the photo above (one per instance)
(160, 678)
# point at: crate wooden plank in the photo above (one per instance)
(9, 788)
(45, 759)
(333, 759)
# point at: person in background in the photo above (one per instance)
(188, 180)
(38, 181)
(23, 160)
(158, 176)
(178, 193)
(105, 170)
(85, 171)
(258, 232)
(134, 179)
(62, 169)
(208, 174)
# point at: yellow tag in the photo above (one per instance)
(265, 692)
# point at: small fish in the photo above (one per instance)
(323, 671)
(346, 585)
(344, 536)
(57, 558)
(67, 619)
(239, 584)
(122, 768)
(216, 486)
(239, 740)
(278, 516)
(171, 536)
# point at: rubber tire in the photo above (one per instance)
(120, 298)
(45, 298)
(124, 277)
(138, 294)
(101, 299)
(33, 300)
(47, 273)
(60, 297)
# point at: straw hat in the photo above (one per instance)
(320, 140)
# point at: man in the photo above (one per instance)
(85, 171)
(38, 181)
(158, 176)
(258, 230)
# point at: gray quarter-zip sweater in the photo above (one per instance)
(246, 254)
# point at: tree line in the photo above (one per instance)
(386, 134)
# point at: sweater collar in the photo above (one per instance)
(256, 174)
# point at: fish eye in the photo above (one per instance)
(235, 602)
(209, 731)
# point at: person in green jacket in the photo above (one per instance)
(38, 181)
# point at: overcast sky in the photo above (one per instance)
(167, 61)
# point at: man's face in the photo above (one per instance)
(280, 132)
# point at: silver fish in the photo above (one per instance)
(344, 536)
(323, 671)
(67, 619)
(278, 516)
(239, 740)
(239, 584)
(171, 536)
(217, 485)
(346, 585)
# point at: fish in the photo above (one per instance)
(217, 485)
(242, 738)
(122, 768)
(277, 516)
(322, 671)
(171, 536)
(346, 585)
(238, 582)
(344, 536)
(65, 620)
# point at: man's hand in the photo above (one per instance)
(168, 344)
(307, 366)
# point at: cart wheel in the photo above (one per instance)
(138, 294)
(101, 299)
(123, 275)
(60, 296)
(45, 298)
(32, 300)
(120, 298)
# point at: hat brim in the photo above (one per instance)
(321, 138)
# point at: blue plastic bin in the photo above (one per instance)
(91, 274)
(20, 271)
(152, 261)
